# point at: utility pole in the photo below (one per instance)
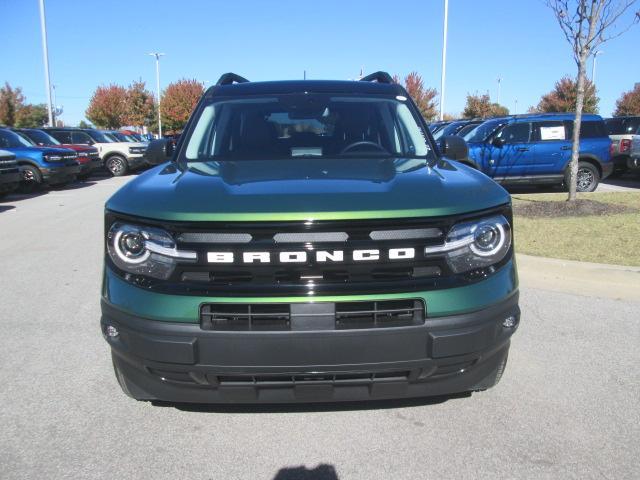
(444, 57)
(157, 57)
(45, 54)
(499, 83)
(593, 66)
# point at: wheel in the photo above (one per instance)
(31, 179)
(117, 165)
(588, 177)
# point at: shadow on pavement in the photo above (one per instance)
(321, 472)
(311, 407)
(4, 208)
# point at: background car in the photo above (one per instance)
(9, 173)
(454, 128)
(87, 156)
(40, 165)
(536, 149)
(118, 157)
(621, 131)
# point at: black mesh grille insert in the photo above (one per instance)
(287, 380)
(337, 316)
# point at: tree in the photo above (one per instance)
(628, 103)
(83, 124)
(423, 97)
(32, 116)
(563, 98)
(480, 106)
(178, 101)
(586, 25)
(141, 107)
(108, 106)
(11, 101)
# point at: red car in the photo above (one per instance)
(87, 156)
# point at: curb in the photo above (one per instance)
(580, 278)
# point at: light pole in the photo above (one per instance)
(444, 58)
(498, 96)
(157, 57)
(593, 66)
(515, 107)
(45, 54)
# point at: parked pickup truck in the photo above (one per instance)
(9, 173)
(621, 131)
(306, 241)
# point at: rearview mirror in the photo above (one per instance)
(498, 142)
(454, 147)
(159, 151)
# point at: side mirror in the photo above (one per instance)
(498, 142)
(454, 147)
(159, 151)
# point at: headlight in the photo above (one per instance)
(53, 158)
(474, 245)
(145, 250)
(137, 149)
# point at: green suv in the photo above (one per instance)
(307, 241)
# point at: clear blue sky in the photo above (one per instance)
(100, 42)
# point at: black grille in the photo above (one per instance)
(209, 276)
(311, 316)
(311, 378)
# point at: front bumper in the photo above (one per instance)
(61, 174)
(136, 160)
(9, 179)
(180, 362)
(89, 165)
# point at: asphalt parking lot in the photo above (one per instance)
(567, 407)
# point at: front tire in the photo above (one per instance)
(117, 165)
(587, 180)
(31, 179)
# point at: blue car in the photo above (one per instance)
(535, 149)
(40, 165)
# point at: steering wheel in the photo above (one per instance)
(363, 143)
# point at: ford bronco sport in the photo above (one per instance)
(307, 241)
(535, 149)
(118, 157)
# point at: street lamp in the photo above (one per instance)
(444, 58)
(157, 57)
(45, 54)
(593, 66)
(499, 79)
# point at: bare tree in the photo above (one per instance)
(587, 24)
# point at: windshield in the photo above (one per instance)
(450, 129)
(482, 131)
(9, 139)
(100, 137)
(306, 125)
(41, 138)
(122, 137)
(466, 129)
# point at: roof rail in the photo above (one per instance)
(230, 78)
(380, 77)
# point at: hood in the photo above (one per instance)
(78, 147)
(6, 155)
(123, 144)
(309, 189)
(28, 151)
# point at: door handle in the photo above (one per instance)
(523, 149)
(566, 147)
